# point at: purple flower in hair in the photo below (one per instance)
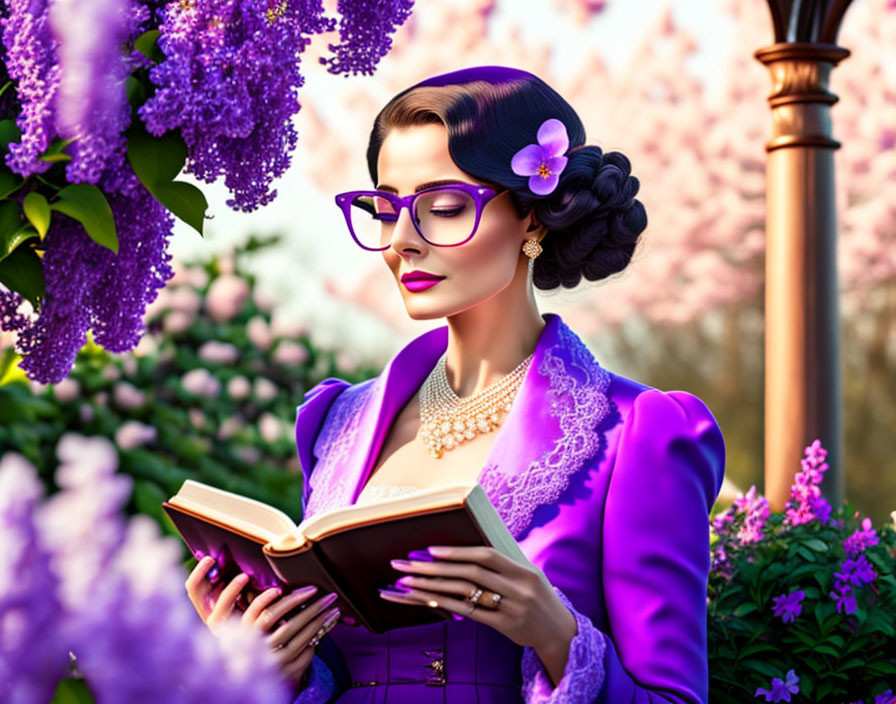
(543, 162)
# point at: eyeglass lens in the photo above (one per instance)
(445, 217)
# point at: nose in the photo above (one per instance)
(405, 238)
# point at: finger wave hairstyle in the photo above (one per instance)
(592, 217)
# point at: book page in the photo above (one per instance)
(241, 512)
(345, 518)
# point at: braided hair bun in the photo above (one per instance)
(592, 217)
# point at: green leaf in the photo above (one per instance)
(9, 132)
(9, 182)
(6, 361)
(22, 271)
(37, 210)
(54, 151)
(155, 160)
(184, 200)
(762, 667)
(87, 204)
(136, 91)
(5, 87)
(72, 692)
(827, 650)
(147, 45)
(816, 545)
(745, 608)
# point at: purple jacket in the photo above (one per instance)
(606, 485)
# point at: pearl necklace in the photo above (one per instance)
(447, 420)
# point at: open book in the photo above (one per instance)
(345, 550)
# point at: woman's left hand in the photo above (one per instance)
(529, 612)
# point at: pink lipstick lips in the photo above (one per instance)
(420, 280)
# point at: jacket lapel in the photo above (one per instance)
(549, 434)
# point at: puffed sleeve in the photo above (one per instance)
(655, 565)
(319, 685)
(309, 419)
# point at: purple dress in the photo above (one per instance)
(605, 483)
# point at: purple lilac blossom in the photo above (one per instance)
(788, 606)
(885, 697)
(365, 34)
(230, 87)
(856, 571)
(33, 655)
(92, 104)
(31, 61)
(107, 566)
(861, 539)
(757, 513)
(781, 690)
(88, 285)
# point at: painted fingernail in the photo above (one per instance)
(328, 599)
(438, 550)
(456, 617)
(397, 586)
(420, 556)
(391, 592)
(332, 617)
(400, 564)
(304, 591)
(404, 581)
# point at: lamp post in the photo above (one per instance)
(802, 358)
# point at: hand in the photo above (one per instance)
(530, 613)
(294, 639)
(214, 603)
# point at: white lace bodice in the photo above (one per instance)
(378, 492)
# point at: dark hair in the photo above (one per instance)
(592, 217)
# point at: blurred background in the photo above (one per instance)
(675, 88)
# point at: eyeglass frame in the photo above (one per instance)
(480, 194)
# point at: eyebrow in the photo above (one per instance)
(424, 186)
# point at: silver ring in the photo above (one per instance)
(475, 596)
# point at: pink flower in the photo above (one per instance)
(127, 396)
(265, 389)
(133, 433)
(201, 383)
(289, 353)
(238, 388)
(219, 352)
(259, 333)
(543, 162)
(226, 296)
(66, 390)
(270, 427)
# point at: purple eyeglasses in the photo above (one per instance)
(444, 216)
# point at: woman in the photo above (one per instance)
(484, 188)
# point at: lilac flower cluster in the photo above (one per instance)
(31, 61)
(861, 539)
(70, 70)
(91, 104)
(33, 654)
(87, 285)
(365, 33)
(155, 648)
(781, 689)
(810, 504)
(229, 83)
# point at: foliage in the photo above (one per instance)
(102, 104)
(804, 592)
(210, 394)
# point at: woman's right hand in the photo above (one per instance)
(293, 641)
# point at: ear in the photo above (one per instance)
(535, 225)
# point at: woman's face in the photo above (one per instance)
(473, 272)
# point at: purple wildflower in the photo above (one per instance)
(365, 33)
(809, 503)
(788, 606)
(33, 655)
(856, 571)
(11, 316)
(861, 539)
(885, 697)
(543, 162)
(722, 523)
(845, 598)
(781, 690)
(757, 510)
(230, 88)
(91, 104)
